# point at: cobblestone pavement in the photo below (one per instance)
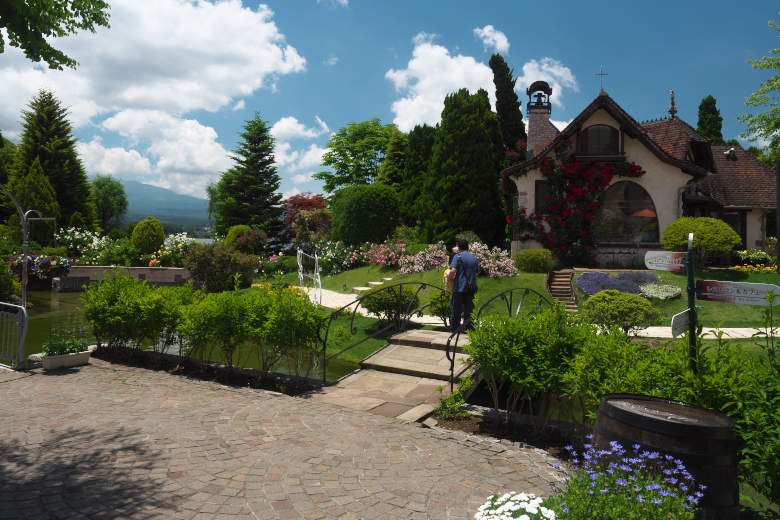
(107, 441)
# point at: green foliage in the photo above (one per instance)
(235, 232)
(7, 156)
(765, 125)
(507, 105)
(629, 312)
(54, 251)
(148, 235)
(461, 188)
(367, 213)
(116, 234)
(77, 221)
(214, 265)
(247, 193)
(416, 248)
(252, 242)
(391, 302)
(68, 345)
(110, 202)
(29, 24)
(710, 235)
(419, 151)
(453, 406)
(9, 283)
(529, 354)
(710, 122)
(470, 236)
(122, 252)
(391, 172)
(534, 260)
(47, 135)
(312, 228)
(33, 191)
(440, 307)
(355, 153)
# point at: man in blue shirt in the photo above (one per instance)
(463, 272)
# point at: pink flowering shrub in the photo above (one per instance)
(434, 257)
(493, 262)
(386, 254)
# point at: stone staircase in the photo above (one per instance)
(559, 285)
(419, 353)
(371, 285)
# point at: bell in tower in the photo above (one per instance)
(541, 91)
(540, 129)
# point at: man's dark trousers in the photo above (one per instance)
(462, 303)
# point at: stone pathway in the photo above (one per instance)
(108, 441)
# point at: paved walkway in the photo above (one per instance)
(108, 441)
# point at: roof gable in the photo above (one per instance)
(741, 180)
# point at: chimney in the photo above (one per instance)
(540, 129)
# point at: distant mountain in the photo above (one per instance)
(164, 205)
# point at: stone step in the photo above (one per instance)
(374, 284)
(417, 362)
(429, 339)
(358, 290)
(387, 279)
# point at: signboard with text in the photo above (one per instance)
(681, 322)
(736, 292)
(665, 261)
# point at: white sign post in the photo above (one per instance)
(736, 292)
(680, 323)
(665, 261)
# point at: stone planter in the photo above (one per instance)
(66, 360)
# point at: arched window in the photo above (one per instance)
(627, 214)
(599, 140)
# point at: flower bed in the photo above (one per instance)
(41, 266)
(628, 282)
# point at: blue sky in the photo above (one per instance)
(161, 95)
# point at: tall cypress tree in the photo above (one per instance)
(247, 193)
(419, 150)
(461, 187)
(34, 191)
(47, 135)
(710, 122)
(507, 104)
(392, 169)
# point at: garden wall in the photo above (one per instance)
(82, 275)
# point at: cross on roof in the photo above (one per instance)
(602, 74)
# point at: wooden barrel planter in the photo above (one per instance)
(703, 439)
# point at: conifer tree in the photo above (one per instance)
(461, 187)
(507, 104)
(34, 191)
(47, 135)
(419, 150)
(247, 193)
(710, 122)
(392, 169)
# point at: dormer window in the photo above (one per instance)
(599, 140)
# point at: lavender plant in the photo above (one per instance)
(627, 282)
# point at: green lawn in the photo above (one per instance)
(713, 313)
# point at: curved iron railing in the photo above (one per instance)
(398, 317)
(506, 297)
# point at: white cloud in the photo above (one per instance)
(560, 125)
(180, 154)
(288, 128)
(240, 105)
(553, 72)
(288, 194)
(334, 3)
(332, 59)
(430, 75)
(295, 160)
(492, 38)
(214, 53)
(302, 177)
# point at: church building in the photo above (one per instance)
(685, 175)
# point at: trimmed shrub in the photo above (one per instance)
(214, 265)
(440, 307)
(235, 232)
(612, 308)
(470, 236)
(626, 282)
(390, 305)
(416, 248)
(148, 235)
(365, 213)
(534, 260)
(116, 234)
(710, 236)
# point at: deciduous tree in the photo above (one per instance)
(29, 22)
(293, 205)
(111, 202)
(710, 121)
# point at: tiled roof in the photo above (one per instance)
(741, 180)
(673, 135)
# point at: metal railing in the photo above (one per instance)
(392, 308)
(13, 329)
(493, 306)
(311, 277)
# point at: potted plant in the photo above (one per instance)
(65, 352)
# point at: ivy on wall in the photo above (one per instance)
(574, 197)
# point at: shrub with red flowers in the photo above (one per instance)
(575, 190)
(387, 254)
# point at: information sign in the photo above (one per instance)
(665, 261)
(736, 292)
(681, 322)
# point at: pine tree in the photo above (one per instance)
(419, 150)
(48, 136)
(710, 121)
(247, 192)
(461, 187)
(507, 104)
(34, 191)
(391, 171)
